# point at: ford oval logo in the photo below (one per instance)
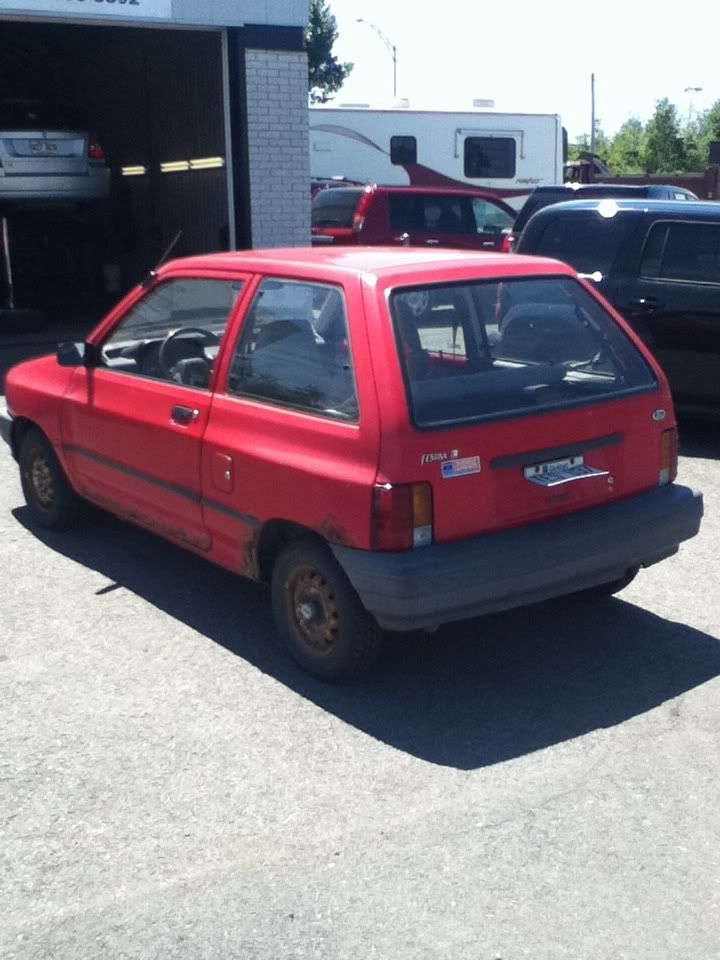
(658, 415)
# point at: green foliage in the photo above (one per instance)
(664, 146)
(326, 73)
(627, 148)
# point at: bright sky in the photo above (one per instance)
(533, 57)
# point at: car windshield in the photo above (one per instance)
(487, 349)
(335, 207)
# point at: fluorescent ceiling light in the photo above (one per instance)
(133, 171)
(175, 166)
(207, 163)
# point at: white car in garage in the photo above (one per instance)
(46, 155)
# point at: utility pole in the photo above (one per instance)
(592, 114)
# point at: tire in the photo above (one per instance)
(608, 589)
(52, 502)
(319, 615)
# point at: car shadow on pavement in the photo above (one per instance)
(700, 438)
(470, 695)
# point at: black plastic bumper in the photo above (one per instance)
(452, 581)
(6, 422)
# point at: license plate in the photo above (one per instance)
(43, 146)
(555, 472)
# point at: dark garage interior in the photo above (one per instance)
(152, 100)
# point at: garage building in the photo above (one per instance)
(199, 111)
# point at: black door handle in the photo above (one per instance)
(184, 415)
(646, 303)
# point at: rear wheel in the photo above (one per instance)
(319, 615)
(50, 498)
(609, 589)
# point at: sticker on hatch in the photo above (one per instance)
(555, 472)
(460, 468)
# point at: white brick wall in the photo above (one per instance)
(279, 148)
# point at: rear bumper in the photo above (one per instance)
(453, 581)
(93, 185)
(6, 422)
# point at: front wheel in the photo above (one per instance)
(319, 615)
(51, 500)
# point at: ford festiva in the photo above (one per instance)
(467, 219)
(658, 263)
(390, 438)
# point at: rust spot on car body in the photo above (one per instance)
(331, 531)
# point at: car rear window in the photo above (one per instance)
(588, 243)
(335, 207)
(504, 348)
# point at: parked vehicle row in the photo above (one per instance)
(393, 439)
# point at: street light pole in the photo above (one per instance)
(392, 49)
(691, 91)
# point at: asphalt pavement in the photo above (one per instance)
(537, 784)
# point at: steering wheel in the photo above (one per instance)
(165, 359)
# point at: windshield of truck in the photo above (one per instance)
(490, 349)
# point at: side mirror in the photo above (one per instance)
(70, 354)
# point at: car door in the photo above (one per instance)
(133, 422)
(673, 302)
(446, 221)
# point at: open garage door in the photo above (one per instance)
(143, 108)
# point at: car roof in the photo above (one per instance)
(631, 189)
(677, 209)
(317, 263)
(459, 191)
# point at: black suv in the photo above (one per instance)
(545, 196)
(658, 263)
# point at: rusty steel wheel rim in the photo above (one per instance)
(313, 610)
(41, 480)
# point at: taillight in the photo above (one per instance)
(507, 243)
(95, 151)
(402, 516)
(668, 456)
(360, 210)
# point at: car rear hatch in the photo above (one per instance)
(336, 216)
(43, 153)
(527, 400)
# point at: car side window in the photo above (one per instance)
(489, 218)
(174, 332)
(294, 350)
(687, 252)
(447, 215)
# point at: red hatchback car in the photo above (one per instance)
(390, 438)
(465, 219)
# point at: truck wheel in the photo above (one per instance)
(319, 615)
(50, 498)
(608, 589)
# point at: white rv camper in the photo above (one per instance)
(509, 153)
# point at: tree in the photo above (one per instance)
(326, 73)
(627, 149)
(664, 148)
